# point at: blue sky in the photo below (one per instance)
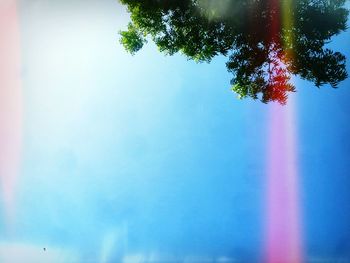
(152, 156)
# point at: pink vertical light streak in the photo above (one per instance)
(283, 220)
(10, 108)
(284, 241)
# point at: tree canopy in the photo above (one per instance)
(266, 41)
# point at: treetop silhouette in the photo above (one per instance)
(266, 41)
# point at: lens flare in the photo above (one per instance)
(283, 216)
(283, 224)
(10, 107)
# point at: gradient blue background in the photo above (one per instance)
(153, 157)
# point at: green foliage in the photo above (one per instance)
(263, 54)
(132, 39)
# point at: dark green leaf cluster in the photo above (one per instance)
(263, 52)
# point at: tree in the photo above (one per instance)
(263, 50)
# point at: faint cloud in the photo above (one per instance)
(114, 244)
(160, 258)
(32, 253)
(134, 258)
